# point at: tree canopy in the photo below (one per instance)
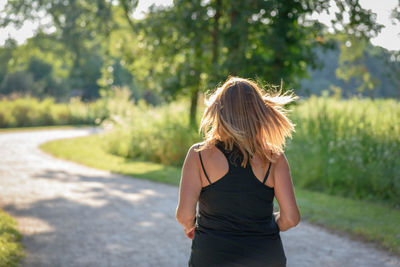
(82, 47)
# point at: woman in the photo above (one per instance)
(234, 174)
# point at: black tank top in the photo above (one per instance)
(235, 222)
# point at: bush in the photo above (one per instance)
(29, 111)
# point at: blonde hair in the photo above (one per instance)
(243, 115)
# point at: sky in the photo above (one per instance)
(388, 38)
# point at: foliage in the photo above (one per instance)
(352, 64)
(17, 82)
(43, 63)
(175, 50)
(271, 39)
(78, 25)
(36, 79)
(6, 56)
(11, 249)
(29, 111)
(204, 42)
(159, 134)
(380, 63)
(348, 147)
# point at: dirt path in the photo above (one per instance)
(72, 215)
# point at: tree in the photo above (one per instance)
(5, 56)
(192, 45)
(20, 82)
(352, 64)
(275, 39)
(178, 39)
(267, 40)
(78, 24)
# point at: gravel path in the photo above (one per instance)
(72, 215)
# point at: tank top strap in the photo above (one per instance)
(267, 174)
(202, 166)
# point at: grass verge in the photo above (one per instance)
(89, 150)
(11, 250)
(364, 220)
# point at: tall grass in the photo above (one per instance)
(159, 134)
(342, 147)
(347, 147)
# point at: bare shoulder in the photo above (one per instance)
(281, 160)
(197, 146)
(206, 153)
(193, 150)
(280, 166)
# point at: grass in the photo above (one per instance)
(348, 147)
(362, 219)
(89, 150)
(371, 221)
(38, 128)
(11, 250)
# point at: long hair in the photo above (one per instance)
(247, 120)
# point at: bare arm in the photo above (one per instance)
(289, 215)
(189, 191)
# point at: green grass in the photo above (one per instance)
(376, 222)
(89, 150)
(11, 250)
(347, 147)
(38, 128)
(363, 219)
(341, 147)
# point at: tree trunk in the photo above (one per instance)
(215, 32)
(193, 107)
(214, 73)
(198, 57)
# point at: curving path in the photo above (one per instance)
(72, 215)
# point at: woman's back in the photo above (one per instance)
(235, 223)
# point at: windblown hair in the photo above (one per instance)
(247, 120)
